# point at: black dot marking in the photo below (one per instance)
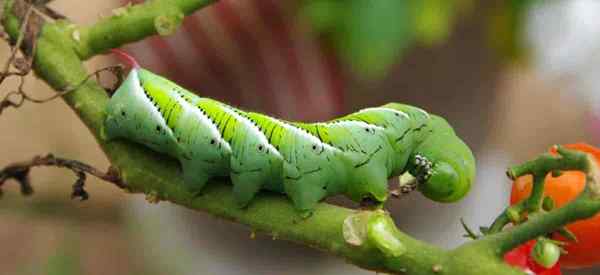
(158, 128)
(260, 147)
(212, 141)
(314, 147)
(123, 113)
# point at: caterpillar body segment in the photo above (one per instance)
(368, 151)
(150, 110)
(144, 124)
(310, 165)
(255, 163)
(354, 155)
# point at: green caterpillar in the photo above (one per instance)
(353, 155)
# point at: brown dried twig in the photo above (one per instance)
(20, 173)
(17, 98)
(26, 40)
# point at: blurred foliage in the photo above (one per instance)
(371, 36)
(506, 30)
(53, 207)
(65, 260)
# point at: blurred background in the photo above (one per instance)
(513, 77)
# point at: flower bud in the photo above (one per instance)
(545, 253)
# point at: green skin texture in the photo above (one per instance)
(354, 155)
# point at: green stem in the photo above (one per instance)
(534, 202)
(130, 24)
(541, 224)
(503, 219)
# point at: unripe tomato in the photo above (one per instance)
(585, 252)
(521, 258)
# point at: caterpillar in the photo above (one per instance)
(353, 155)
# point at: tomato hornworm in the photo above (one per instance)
(354, 155)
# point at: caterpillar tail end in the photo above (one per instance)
(125, 57)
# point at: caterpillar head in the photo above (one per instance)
(443, 164)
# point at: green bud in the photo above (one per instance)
(513, 215)
(167, 24)
(556, 173)
(545, 253)
(548, 203)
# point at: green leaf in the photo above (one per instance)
(374, 34)
(433, 20)
(324, 15)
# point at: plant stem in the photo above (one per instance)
(129, 24)
(541, 224)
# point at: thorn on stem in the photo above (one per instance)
(469, 233)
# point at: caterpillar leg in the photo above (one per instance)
(194, 177)
(369, 183)
(305, 190)
(245, 188)
(246, 183)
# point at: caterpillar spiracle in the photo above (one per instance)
(354, 155)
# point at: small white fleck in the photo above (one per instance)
(76, 36)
